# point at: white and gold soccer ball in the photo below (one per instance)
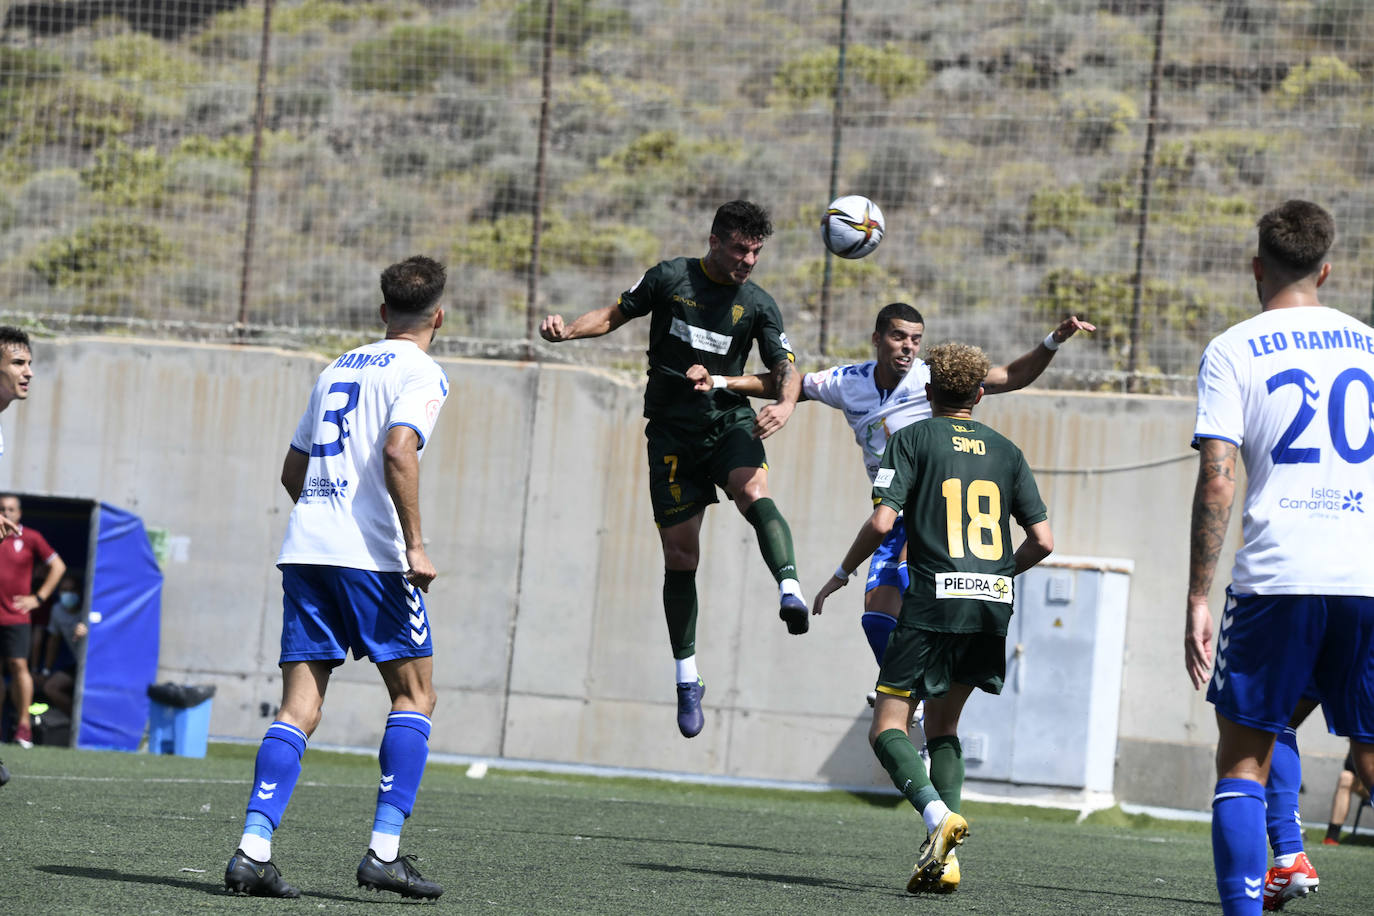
(852, 226)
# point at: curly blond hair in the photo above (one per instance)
(956, 372)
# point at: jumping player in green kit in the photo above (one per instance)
(707, 311)
(957, 485)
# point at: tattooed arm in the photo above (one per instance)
(1212, 499)
(787, 383)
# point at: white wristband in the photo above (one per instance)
(719, 381)
(841, 574)
(1050, 343)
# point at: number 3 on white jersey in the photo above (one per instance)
(339, 417)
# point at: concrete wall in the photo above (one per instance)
(547, 619)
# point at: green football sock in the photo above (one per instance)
(903, 763)
(775, 538)
(680, 608)
(947, 769)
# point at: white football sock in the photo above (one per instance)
(687, 670)
(386, 846)
(257, 848)
(933, 814)
(789, 587)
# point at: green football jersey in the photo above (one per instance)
(694, 319)
(958, 485)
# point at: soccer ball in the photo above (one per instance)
(852, 226)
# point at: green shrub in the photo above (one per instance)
(574, 23)
(126, 177)
(237, 148)
(890, 70)
(106, 250)
(21, 66)
(137, 57)
(79, 113)
(237, 33)
(665, 151)
(1234, 156)
(335, 16)
(411, 58)
(504, 244)
(1319, 77)
(1167, 310)
(1097, 116)
(1064, 209)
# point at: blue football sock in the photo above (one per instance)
(275, 773)
(257, 824)
(1238, 851)
(1283, 820)
(878, 627)
(404, 750)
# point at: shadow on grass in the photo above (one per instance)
(648, 840)
(799, 880)
(205, 887)
(1101, 892)
(877, 799)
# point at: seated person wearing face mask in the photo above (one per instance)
(66, 627)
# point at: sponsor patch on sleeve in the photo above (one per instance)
(981, 586)
(883, 478)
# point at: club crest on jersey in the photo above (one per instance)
(980, 586)
(736, 313)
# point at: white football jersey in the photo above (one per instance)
(1293, 388)
(873, 413)
(345, 516)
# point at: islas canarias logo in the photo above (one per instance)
(866, 224)
(1325, 499)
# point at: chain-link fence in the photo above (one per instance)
(225, 169)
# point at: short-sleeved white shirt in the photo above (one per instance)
(872, 412)
(345, 516)
(1293, 387)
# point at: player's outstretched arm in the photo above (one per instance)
(1027, 367)
(1212, 499)
(872, 534)
(401, 463)
(293, 469)
(754, 386)
(787, 382)
(593, 324)
(1039, 543)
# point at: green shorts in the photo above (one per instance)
(924, 663)
(686, 465)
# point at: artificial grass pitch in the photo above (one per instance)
(114, 833)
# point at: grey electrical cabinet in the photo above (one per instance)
(1055, 723)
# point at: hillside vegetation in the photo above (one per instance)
(1004, 141)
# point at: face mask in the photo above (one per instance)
(69, 599)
